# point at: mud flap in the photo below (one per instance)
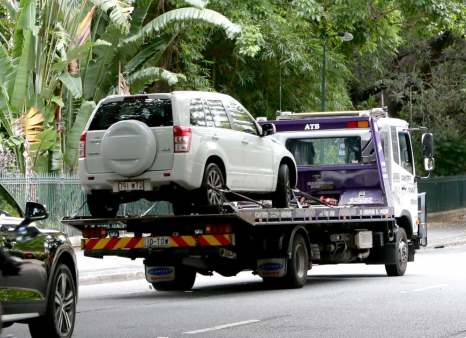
(160, 273)
(271, 267)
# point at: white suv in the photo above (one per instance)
(180, 147)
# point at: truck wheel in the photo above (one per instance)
(298, 265)
(58, 321)
(281, 197)
(184, 280)
(102, 205)
(213, 178)
(401, 255)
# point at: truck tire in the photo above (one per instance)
(281, 197)
(297, 267)
(184, 280)
(401, 255)
(102, 205)
(213, 177)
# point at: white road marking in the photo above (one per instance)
(426, 288)
(221, 327)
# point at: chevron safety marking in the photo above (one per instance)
(113, 243)
(119, 243)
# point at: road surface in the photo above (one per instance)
(338, 301)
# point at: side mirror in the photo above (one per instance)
(428, 151)
(427, 145)
(268, 129)
(35, 212)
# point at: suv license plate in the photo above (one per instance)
(130, 186)
(157, 242)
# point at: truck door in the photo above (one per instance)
(403, 172)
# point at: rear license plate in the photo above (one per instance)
(157, 242)
(129, 186)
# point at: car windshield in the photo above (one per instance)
(154, 112)
(325, 151)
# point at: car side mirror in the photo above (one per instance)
(35, 212)
(268, 129)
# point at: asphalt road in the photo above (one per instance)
(338, 301)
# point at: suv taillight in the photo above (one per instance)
(182, 139)
(82, 145)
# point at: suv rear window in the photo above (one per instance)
(152, 111)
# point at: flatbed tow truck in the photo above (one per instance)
(361, 208)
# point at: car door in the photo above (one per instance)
(227, 144)
(29, 286)
(257, 152)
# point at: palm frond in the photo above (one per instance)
(197, 3)
(32, 124)
(185, 14)
(140, 79)
(23, 72)
(120, 12)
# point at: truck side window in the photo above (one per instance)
(242, 121)
(197, 113)
(394, 136)
(405, 152)
(219, 115)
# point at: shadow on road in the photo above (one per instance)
(223, 289)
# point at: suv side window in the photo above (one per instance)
(218, 114)
(242, 121)
(405, 151)
(197, 113)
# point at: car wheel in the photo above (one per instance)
(281, 198)
(401, 255)
(213, 179)
(102, 205)
(184, 280)
(58, 321)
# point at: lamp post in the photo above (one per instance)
(344, 36)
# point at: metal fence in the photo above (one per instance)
(63, 196)
(444, 193)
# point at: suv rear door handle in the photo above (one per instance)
(215, 138)
(243, 141)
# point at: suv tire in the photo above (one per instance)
(213, 177)
(61, 307)
(102, 204)
(281, 197)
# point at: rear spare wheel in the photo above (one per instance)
(128, 148)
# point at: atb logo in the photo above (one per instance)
(311, 126)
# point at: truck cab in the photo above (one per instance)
(357, 158)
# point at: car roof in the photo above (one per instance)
(178, 94)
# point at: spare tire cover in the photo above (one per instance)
(128, 148)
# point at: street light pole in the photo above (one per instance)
(345, 37)
(323, 89)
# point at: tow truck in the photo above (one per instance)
(356, 202)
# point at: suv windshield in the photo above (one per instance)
(325, 151)
(152, 111)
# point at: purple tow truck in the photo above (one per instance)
(356, 202)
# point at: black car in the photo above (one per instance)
(44, 292)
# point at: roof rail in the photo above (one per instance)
(374, 112)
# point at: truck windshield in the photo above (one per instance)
(153, 112)
(325, 151)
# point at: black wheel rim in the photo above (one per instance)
(64, 305)
(214, 182)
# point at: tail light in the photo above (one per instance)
(82, 145)
(218, 229)
(182, 139)
(357, 124)
(95, 233)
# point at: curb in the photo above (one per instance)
(109, 278)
